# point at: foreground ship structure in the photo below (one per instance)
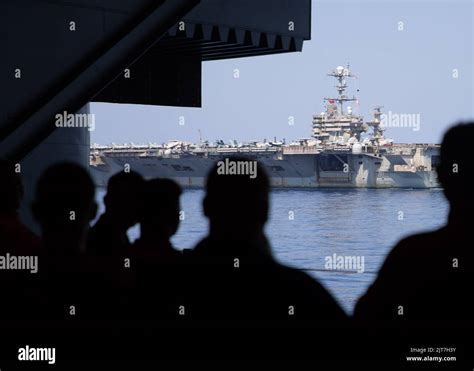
(344, 151)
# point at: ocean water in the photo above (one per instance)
(307, 227)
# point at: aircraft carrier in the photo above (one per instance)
(344, 151)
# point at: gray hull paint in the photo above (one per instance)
(285, 171)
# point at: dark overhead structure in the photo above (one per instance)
(169, 73)
(61, 54)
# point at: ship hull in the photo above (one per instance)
(321, 170)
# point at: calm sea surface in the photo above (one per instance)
(306, 226)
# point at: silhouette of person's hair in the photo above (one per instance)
(64, 205)
(428, 275)
(236, 275)
(122, 209)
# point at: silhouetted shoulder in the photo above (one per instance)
(402, 281)
(311, 299)
(410, 250)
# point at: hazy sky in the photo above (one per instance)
(407, 72)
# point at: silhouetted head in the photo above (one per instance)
(236, 200)
(160, 214)
(64, 204)
(456, 168)
(11, 188)
(122, 201)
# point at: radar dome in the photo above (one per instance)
(339, 70)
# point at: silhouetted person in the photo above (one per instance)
(430, 275)
(18, 286)
(14, 236)
(157, 263)
(73, 283)
(109, 234)
(159, 219)
(63, 206)
(235, 275)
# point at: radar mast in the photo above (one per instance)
(341, 73)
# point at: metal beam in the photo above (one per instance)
(242, 55)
